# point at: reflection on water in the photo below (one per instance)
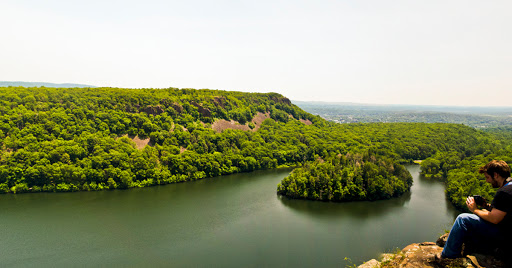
(369, 210)
(230, 221)
(428, 196)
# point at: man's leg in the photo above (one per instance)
(468, 227)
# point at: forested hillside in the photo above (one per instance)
(81, 138)
(73, 139)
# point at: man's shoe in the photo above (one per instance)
(440, 257)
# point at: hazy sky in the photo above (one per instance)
(395, 52)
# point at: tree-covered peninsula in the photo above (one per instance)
(347, 178)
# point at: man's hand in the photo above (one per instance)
(494, 216)
(470, 202)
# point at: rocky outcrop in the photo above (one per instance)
(154, 110)
(203, 111)
(220, 101)
(424, 255)
(177, 107)
(170, 103)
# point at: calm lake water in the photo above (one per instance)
(231, 221)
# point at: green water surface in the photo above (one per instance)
(230, 221)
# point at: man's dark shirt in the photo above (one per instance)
(503, 201)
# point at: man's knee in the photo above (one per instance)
(465, 219)
(465, 216)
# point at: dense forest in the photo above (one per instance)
(454, 160)
(383, 142)
(84, 139)
(347, 178)
(460, 171)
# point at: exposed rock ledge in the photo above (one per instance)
(424, 255)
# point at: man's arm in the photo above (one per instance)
(494, 216)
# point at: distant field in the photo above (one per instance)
(477, 117)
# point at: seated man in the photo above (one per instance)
(484, 226)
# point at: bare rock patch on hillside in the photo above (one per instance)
(139, 143)
(222, 124)
(306, 121)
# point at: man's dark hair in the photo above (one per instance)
(496, 166)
